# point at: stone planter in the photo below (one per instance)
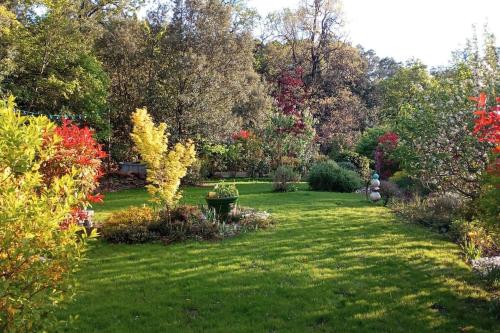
(222, 206)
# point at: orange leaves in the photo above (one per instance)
(98, 198)
(487, 125)
(481, 100)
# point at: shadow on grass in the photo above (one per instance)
(333, 264)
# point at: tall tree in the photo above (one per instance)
(126, 51)
(312, 37)
(206, 70)
(56, 71)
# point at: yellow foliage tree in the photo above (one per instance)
(165, 168)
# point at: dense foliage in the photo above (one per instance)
(446, 148)
(165, 168)
(129, 226)
(38, 248)
(76, 148)
(223, 190)
(283, 179)
(136, 225)
(328, 176)
(296, 101)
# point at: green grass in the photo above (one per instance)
(334, 263)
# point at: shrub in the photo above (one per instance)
(129, 226)
(472, 234)
(369, 141)
(347, 165)
(328, 176)
(76, 148)
(488, 205)
(186, 213)
(384, 161)
(347, 159)
(165, 167)
(282, 178)
(388, 191)
(184, 222)
(246, 219)
(437, 212)
(254, 220)
(408, 185)
(38, 251)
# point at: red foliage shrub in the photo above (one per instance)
(487, 127)
(77, 149)
(385, 166)
(291, 97)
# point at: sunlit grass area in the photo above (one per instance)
(334, 263)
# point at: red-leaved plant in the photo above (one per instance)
(290, 99)
(487, 127)
(77, 149)
(384, 165)
(242, 135)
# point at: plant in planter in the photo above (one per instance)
(222, 199)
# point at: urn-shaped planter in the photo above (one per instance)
(222, 206)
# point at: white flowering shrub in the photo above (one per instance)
(437, 144)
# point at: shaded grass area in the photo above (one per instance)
(334, 263)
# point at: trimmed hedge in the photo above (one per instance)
(328, 176)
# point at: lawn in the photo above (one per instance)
(334, 263)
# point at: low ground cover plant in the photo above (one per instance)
(437, 212)
(143, 224)
(131, 225)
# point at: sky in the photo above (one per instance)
(428, 30)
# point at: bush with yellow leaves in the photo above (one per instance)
(165, 168)
(38, 251)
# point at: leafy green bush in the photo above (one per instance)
(130, 226)
(407, 184)
(282, 179)
(353, 161)
(369, 141)
(488, 205)
(402, 179)
(347, 165)
(328, 176)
